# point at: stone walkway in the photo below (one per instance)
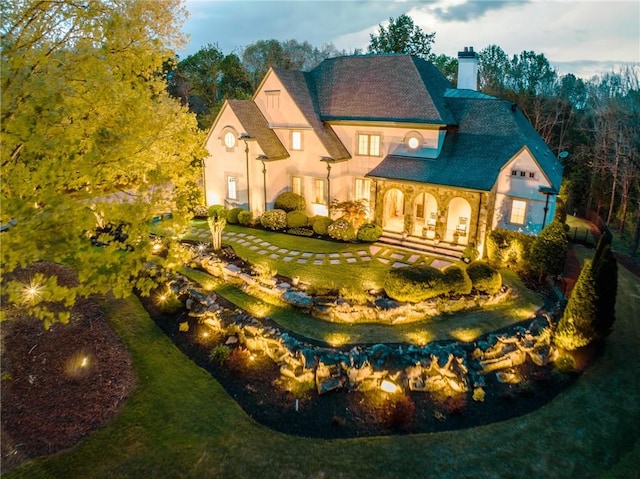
(385, 254)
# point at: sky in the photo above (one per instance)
(583, 37)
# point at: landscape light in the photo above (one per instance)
(388, 387)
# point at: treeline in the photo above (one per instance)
(592, 124)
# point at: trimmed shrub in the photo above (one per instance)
(576, 327)
(289, 201)
(297, 219)
(549, 251)
(200, 211)
(274, 219)
(507, 248)
(369, 232)
(321, 225)
(413, 284)
(484, 278)
(455, 280)
(245, 217)
(342, 230)
(232, 215)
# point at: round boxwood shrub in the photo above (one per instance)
(342, 230)
(245, 217)
(297, 219)
(289, 201)
(321, 225)
(455, 280)
(232, 215)
(484, 278)
(369, 232)
(414, 283)
(274, 219)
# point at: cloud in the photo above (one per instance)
(470, 9)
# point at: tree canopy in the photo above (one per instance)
(92, 144)
(402, 36)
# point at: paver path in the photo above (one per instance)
(380, 252)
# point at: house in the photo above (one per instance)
(438, 166)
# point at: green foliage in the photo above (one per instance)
(355, 294)
(321, 225)
(576, 327)
(369, 232)
(484, 278)
(549, 251)
(274, 219)
(402, 36)
(289, 201)
(300, 232)
(355, 212)
(414, 283)
(232, 215)
(507, 248)
(605, 272)
(342, 230)
(455, 280)
(89, 134)
(219, 354)
(297, 219)
(561, 211)
(200, 211)
(470, 253)
(245, 218)
(217, 220)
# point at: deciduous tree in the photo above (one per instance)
(402, 36)
(90, 139)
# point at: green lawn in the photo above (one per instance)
(180, 423)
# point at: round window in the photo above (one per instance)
(230, 140)
(413, 143)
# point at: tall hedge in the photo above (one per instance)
(549, 251)
(289, 201)
(605, 273)
(484, 278)
(576, 327)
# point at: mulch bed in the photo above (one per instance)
(58, 385)
(254, 384)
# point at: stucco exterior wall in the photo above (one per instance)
(510, 187)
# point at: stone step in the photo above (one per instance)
(414, 243)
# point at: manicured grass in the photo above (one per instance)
(180, 423)
(580, 230)
(465, 326)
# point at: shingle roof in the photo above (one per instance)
(390, 87)
(256, 126)
(301, 88)
(490, 132)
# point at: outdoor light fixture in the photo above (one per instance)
(245, 137)
(31, 291)
(389, 387)
(264, 158)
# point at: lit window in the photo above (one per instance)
(229, 140)
(368, 145)
(296, 185)
(518, 210)
(363, 189)
(296, 140)
(232, 192)
(318, 191)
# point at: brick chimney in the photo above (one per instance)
(468, 69)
